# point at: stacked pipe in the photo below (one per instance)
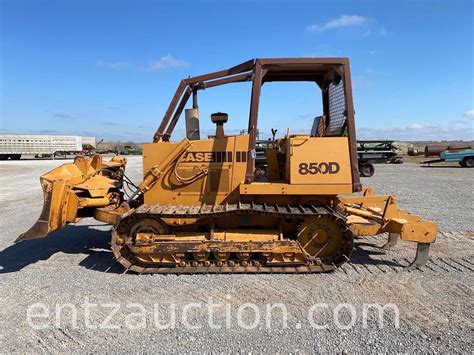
(436, 150)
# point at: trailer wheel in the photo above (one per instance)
(366, 170)
(467, 162)
(15, 156)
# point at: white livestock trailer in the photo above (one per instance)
(13, 146)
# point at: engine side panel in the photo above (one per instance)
(221, 163)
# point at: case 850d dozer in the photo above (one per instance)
(202, 206)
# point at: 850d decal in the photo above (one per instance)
(331, 167)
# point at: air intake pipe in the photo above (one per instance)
(219, 118)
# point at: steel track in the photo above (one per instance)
(128, 260)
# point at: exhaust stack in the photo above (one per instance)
(192, 124)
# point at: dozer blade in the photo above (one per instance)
(42, 226)
(75, 190)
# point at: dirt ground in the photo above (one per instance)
(74, 268)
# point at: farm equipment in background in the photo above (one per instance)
(376, 152)
(464, 157)
(381, 151)
(129, 150)
(204, 207)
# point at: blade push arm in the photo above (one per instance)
(157, 171)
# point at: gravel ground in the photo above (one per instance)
(74, 266)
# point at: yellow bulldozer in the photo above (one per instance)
(203, 207)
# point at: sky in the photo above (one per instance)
(109, 68)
